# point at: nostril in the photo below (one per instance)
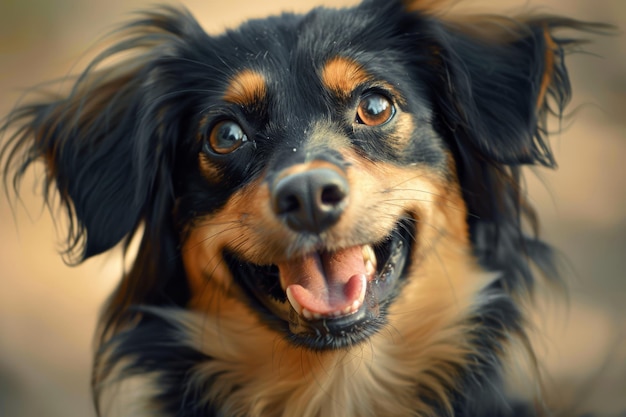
(333, 195)
(289, 203)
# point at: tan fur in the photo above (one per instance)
(246, 88)
(404, 128)
(342, 76)
(210, 170)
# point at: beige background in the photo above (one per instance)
(48, 310)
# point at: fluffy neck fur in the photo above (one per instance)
(412, 367)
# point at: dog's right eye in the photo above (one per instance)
(226, 136)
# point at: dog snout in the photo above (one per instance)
(311, 201)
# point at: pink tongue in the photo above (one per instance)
(326, 283)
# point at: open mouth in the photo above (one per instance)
(329, 300)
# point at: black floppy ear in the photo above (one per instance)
(494, 82)
(103, 142)
(501, 78)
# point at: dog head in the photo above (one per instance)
(321, 168)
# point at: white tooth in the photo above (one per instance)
(370, 269)
(317, 316)
(369, 257)
(368, 252)
(296, 306)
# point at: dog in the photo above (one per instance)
(329, 208)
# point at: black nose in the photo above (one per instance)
(310, 201)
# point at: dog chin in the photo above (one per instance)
(327, 300)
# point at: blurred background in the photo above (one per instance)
(48, 310)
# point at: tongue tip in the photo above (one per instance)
(337, 301)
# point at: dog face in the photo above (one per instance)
(330, 173)
(319, 180)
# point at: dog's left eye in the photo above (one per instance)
(374, 110)
(226, 136)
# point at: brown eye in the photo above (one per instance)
(226, 136)
(374, 110)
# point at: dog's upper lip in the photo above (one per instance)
(327, 284)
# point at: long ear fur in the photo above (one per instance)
(102, 142)
(499, 79)
(84, 139)
(109, 147)
(501, 75)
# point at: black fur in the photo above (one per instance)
(122, 147)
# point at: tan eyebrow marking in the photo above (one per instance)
(343, 76)
(246, 88)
